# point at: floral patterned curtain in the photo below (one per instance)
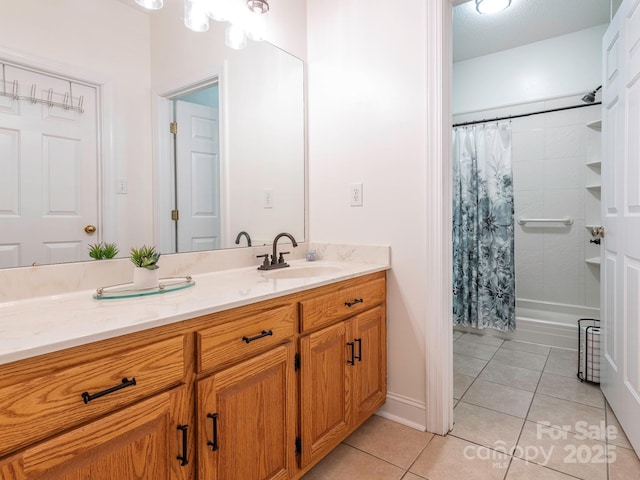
(484, 294)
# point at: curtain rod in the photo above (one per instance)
(497, 119)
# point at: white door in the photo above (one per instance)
(197, 177)
(620, 380)
(48, 172)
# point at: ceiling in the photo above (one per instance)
(525, 21)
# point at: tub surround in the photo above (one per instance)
(55, 321)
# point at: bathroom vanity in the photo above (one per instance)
(257, 385)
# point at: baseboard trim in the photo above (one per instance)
(404, 410)
(530, 330)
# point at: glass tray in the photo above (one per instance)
(127, 290)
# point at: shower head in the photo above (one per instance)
(591, 96)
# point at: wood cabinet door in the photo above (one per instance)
(324, 408)
(246, 419)
(369, 385)
(138, 442)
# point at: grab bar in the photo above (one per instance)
(565, 220)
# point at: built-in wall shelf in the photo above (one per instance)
(597, 125)
(593, 261)
(594, 164)
(594, 188)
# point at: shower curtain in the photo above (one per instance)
(484, 293)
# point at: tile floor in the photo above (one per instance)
(520, 413)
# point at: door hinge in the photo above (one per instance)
(298, 446)
(296, 362)
(175, 215)
(173, 128)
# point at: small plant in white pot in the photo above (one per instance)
(103, 251)
(145, 273)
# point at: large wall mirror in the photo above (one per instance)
(236, 163)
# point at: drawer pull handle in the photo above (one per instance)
(214, 445)
(359, 342)
(87, 397)
(264, 333)
(353, 353)
(355, 300)
(183, 458)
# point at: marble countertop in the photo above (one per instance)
(46, 324)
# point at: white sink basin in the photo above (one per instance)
(305, 271)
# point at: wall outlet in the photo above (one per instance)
(267, 198)
(355, 194)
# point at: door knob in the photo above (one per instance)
(90, 229)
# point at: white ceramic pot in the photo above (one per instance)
(143, 278)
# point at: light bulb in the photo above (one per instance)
(219, 10)
(150, 4)
(256, 26)
(234, 37)
(195, 16)
(491, 6)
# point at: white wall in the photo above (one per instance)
(103, 41)
(556, 67)
(357, 51)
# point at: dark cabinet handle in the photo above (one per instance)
(264, 333)
(214, 445)
(355, 300)
(87, 397)
(359, 342)
(183, 457)
(353, 353)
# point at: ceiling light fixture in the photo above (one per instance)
(491, 6)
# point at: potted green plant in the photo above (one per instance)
(102, 251)
(145, 260)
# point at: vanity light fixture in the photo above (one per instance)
(247, 18)
(491, 6)
(234, 37)
(258, 6)
(220, 10)
(150, 4)
(195, 16)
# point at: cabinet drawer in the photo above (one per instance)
(238, 339)
(39, 407)
(326, 309)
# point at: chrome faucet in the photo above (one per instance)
(246, 235)
(277, 261)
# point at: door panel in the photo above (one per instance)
(370, 382)
(324, 391)
(620, 380)
(248, 412)
(198, 177)
(49, 177)
(134, 443)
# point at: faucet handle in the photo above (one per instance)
(281, 258)
(265, 262)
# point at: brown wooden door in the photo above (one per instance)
(369, 385)
(246, 418)
(138, 442)
(324, 409)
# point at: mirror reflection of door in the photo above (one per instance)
(48, 168)
(197, 171)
